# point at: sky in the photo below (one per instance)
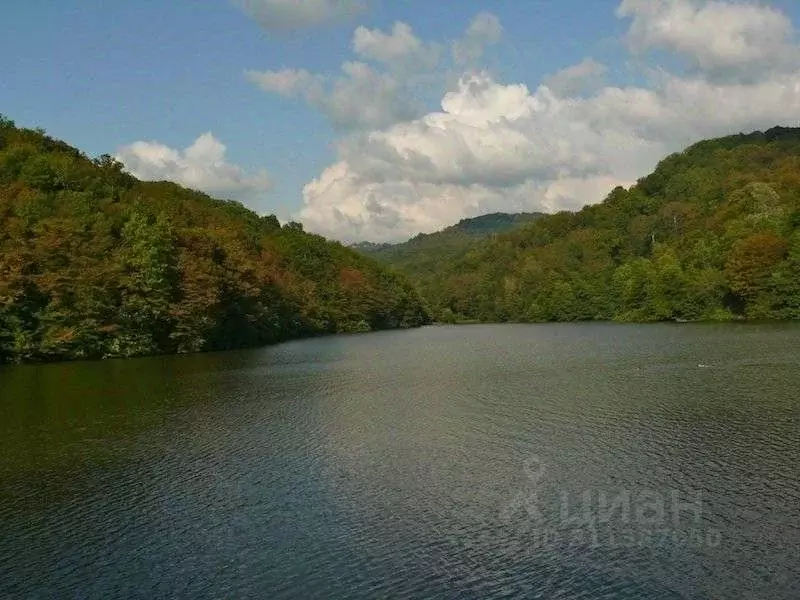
(379, 119)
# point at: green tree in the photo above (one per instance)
(148, 285)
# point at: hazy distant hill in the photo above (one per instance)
(491, 223)
(421, 253)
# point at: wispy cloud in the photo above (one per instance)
(288, 15)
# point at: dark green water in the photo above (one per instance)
(544, 461)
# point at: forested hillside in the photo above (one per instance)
(94, 263)
(712, 234)
(422, 256)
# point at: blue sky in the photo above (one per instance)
(106, 76)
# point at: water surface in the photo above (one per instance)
(542, 461)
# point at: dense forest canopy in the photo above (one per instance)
(94, 263)
(711, 234)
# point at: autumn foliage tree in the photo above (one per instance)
(94, 263)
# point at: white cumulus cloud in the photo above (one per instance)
(287, 15)
(201, 166)
(724, 39)
(342, 205)
(491, 147)
(504, 147)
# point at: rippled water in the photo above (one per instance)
(538, 461)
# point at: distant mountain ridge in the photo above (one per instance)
(487, 224)
(423, 251)
(492, 223)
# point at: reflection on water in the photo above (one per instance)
(573, 461)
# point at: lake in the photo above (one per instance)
(484, 461)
